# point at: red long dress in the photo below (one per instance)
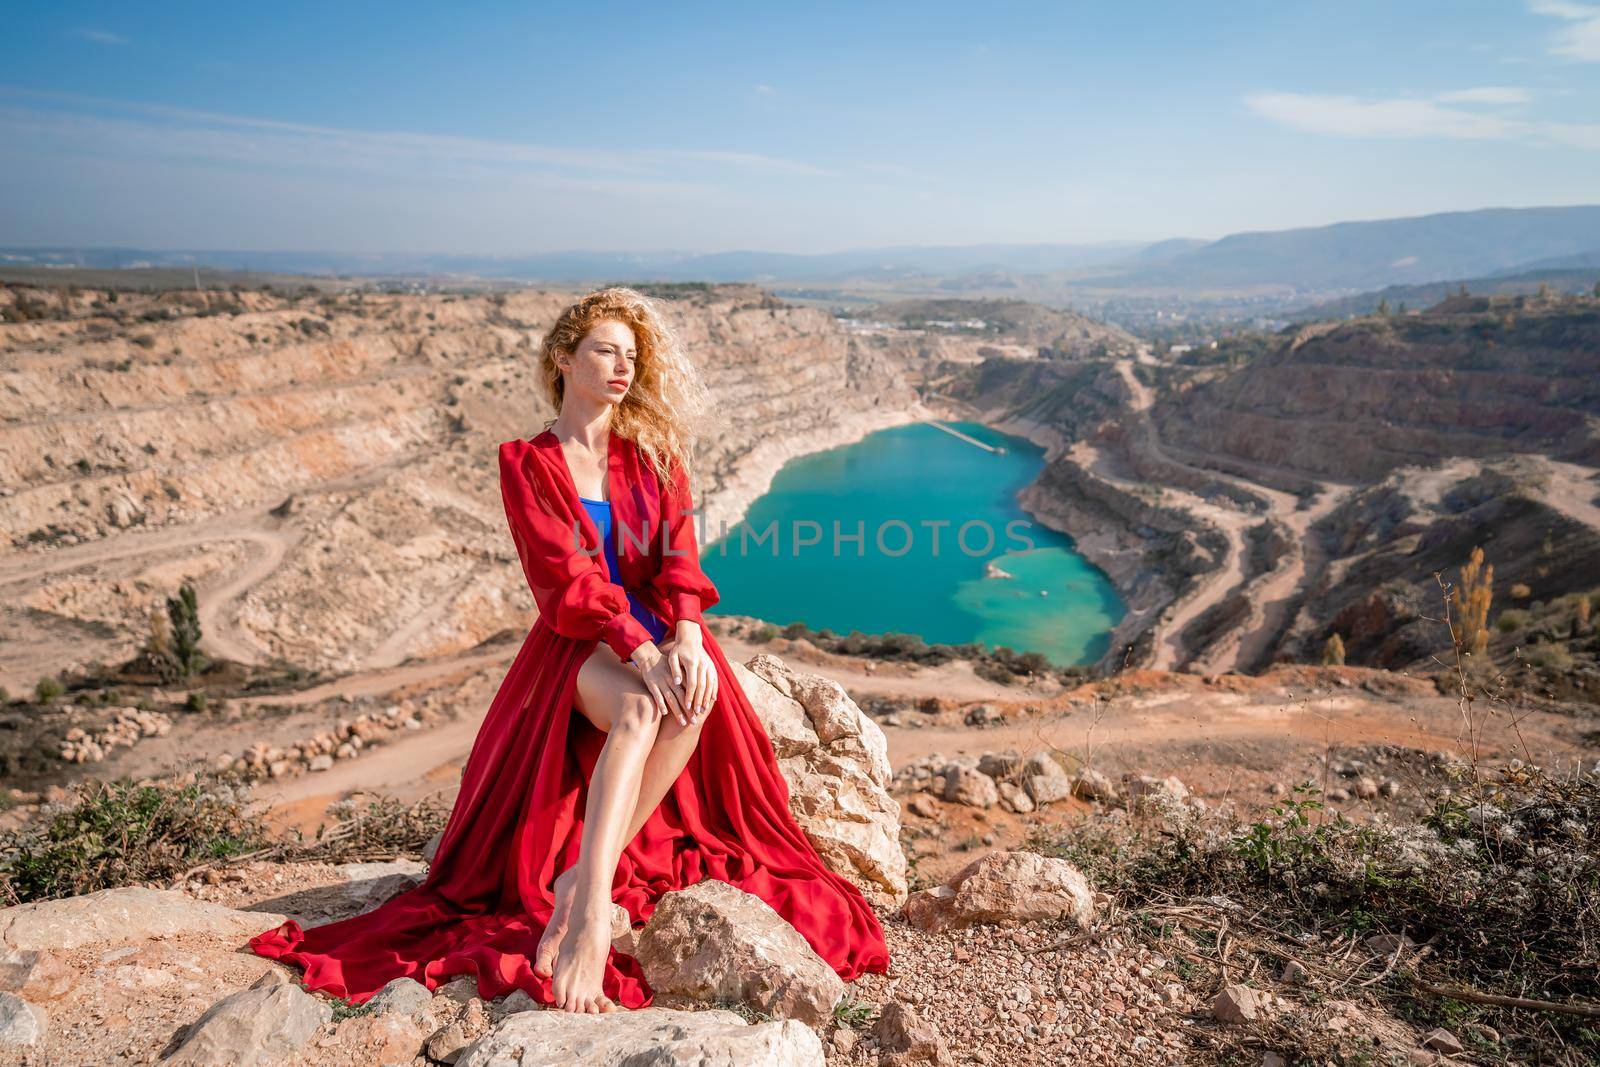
(518, 821)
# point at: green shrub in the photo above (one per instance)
(48, 689)
(1501, 879)
(120, 833)
(1511, 619)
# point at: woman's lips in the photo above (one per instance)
(618, 383)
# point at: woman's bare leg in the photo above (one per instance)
(668, 756)
(613, 697)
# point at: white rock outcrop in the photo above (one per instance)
(836, 761)
(123, 916)
(661, 1037)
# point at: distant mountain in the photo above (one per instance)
(1574, 281)
(1369, 255)
(577, 266)
(1341, 259)
(1582, 261)
(1164, 250)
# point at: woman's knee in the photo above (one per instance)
(673, 730)
(636, 715)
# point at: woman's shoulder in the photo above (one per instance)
(528, 455)
(519, 445)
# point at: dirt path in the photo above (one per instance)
(218, 596)
(411, 765)
(1272, 597)
(222, 636)
(1218, 740)
(1170, 650)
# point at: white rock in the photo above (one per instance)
(835, 760)
(122, 916)
(661, 1037)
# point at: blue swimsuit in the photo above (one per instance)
(600, 512)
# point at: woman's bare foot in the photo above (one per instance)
(545, 957)
(581, 960)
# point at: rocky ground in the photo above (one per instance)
(312, 463)
(1001, 949)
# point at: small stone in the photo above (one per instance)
(1389, 944)
(1366, 788)
(905, 1037)
(1090, 784)
(971, 787)
(924, 805)
(1293, 973)
(517, 1000)
(1339, 796)
(1389, 788)
(406, 996)
(22, 1025)
(1236, 1004)
(1442, 1040)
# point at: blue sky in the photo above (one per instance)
(506, 128)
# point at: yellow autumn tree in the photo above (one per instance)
(1471, 631)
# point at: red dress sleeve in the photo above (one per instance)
(686, 588)
(572, 591)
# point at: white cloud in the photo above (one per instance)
(1581, 39)
(1446, 115)
(101, 37)
(86, 125)
(1489, 94)
(1351, 116)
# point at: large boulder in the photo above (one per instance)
(123, 916)
(660, 1037)
(714, 942)
(836, 762)
(1004, 888)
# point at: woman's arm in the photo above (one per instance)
(688, 591)
(685, 587)
(570, 587)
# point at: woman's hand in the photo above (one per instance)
(693, 669)
(658, 679)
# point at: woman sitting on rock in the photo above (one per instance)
(620, 759)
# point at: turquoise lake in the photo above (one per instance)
(932, 510)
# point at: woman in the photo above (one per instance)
(616, 762)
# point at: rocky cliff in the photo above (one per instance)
(1352, 401)
(323, 467)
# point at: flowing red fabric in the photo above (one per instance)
(518, 821)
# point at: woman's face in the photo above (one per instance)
(601, 369)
